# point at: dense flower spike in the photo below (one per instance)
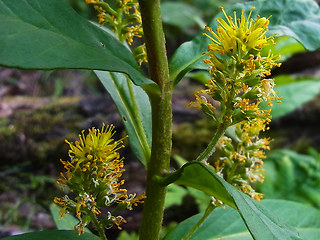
(234, 93)
(93, 176)
(238, 35)
(239, 160)
(125, 21)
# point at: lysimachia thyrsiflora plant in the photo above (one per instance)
(49, 34)
(93, 176)
(238, 83)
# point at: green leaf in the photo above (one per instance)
(174, 195)
(135, 110)
(227, 223)
(294, 95)
(259, 221)
(285, 46)
(187, 57)
(49, 34)
(67, 222)
(207, 181)
(299, 19)
(292, 176)
(180, 14)
(200, 76)
(53, 235)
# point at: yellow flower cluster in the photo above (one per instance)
(237, 67)
(240, 159)
(125, 20)
(237, 87)
(93, 176)
(239, 34)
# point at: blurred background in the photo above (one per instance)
(40, 109)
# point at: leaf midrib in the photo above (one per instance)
(131, 115)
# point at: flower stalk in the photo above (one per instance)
(98, 227)
(211, 146)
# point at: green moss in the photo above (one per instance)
(36, 134)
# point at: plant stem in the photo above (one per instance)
(210, 149)
(155, 41)
(159, 163)
(208, 211)
(106, 7)
(98, 226)
(161, 119)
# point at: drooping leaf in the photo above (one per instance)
(294, 95)
(67, 222)
(227, 223)
(260, 222)
(49, 34)
(299, 19)
(188, 175)
(53, 235)
(135, 110)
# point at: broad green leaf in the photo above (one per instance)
(299, 19)
(198, 176)
(53, 235)
(294, 95)
(227, 223)
(135, 110)
(67, 222)
(260, 222)
(180, 14)
(37, 34)
(187, 57)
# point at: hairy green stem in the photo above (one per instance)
(206, 214)
(161, 118)
(155, 41)
(159, 163)
(98, 226)
(210, 149)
